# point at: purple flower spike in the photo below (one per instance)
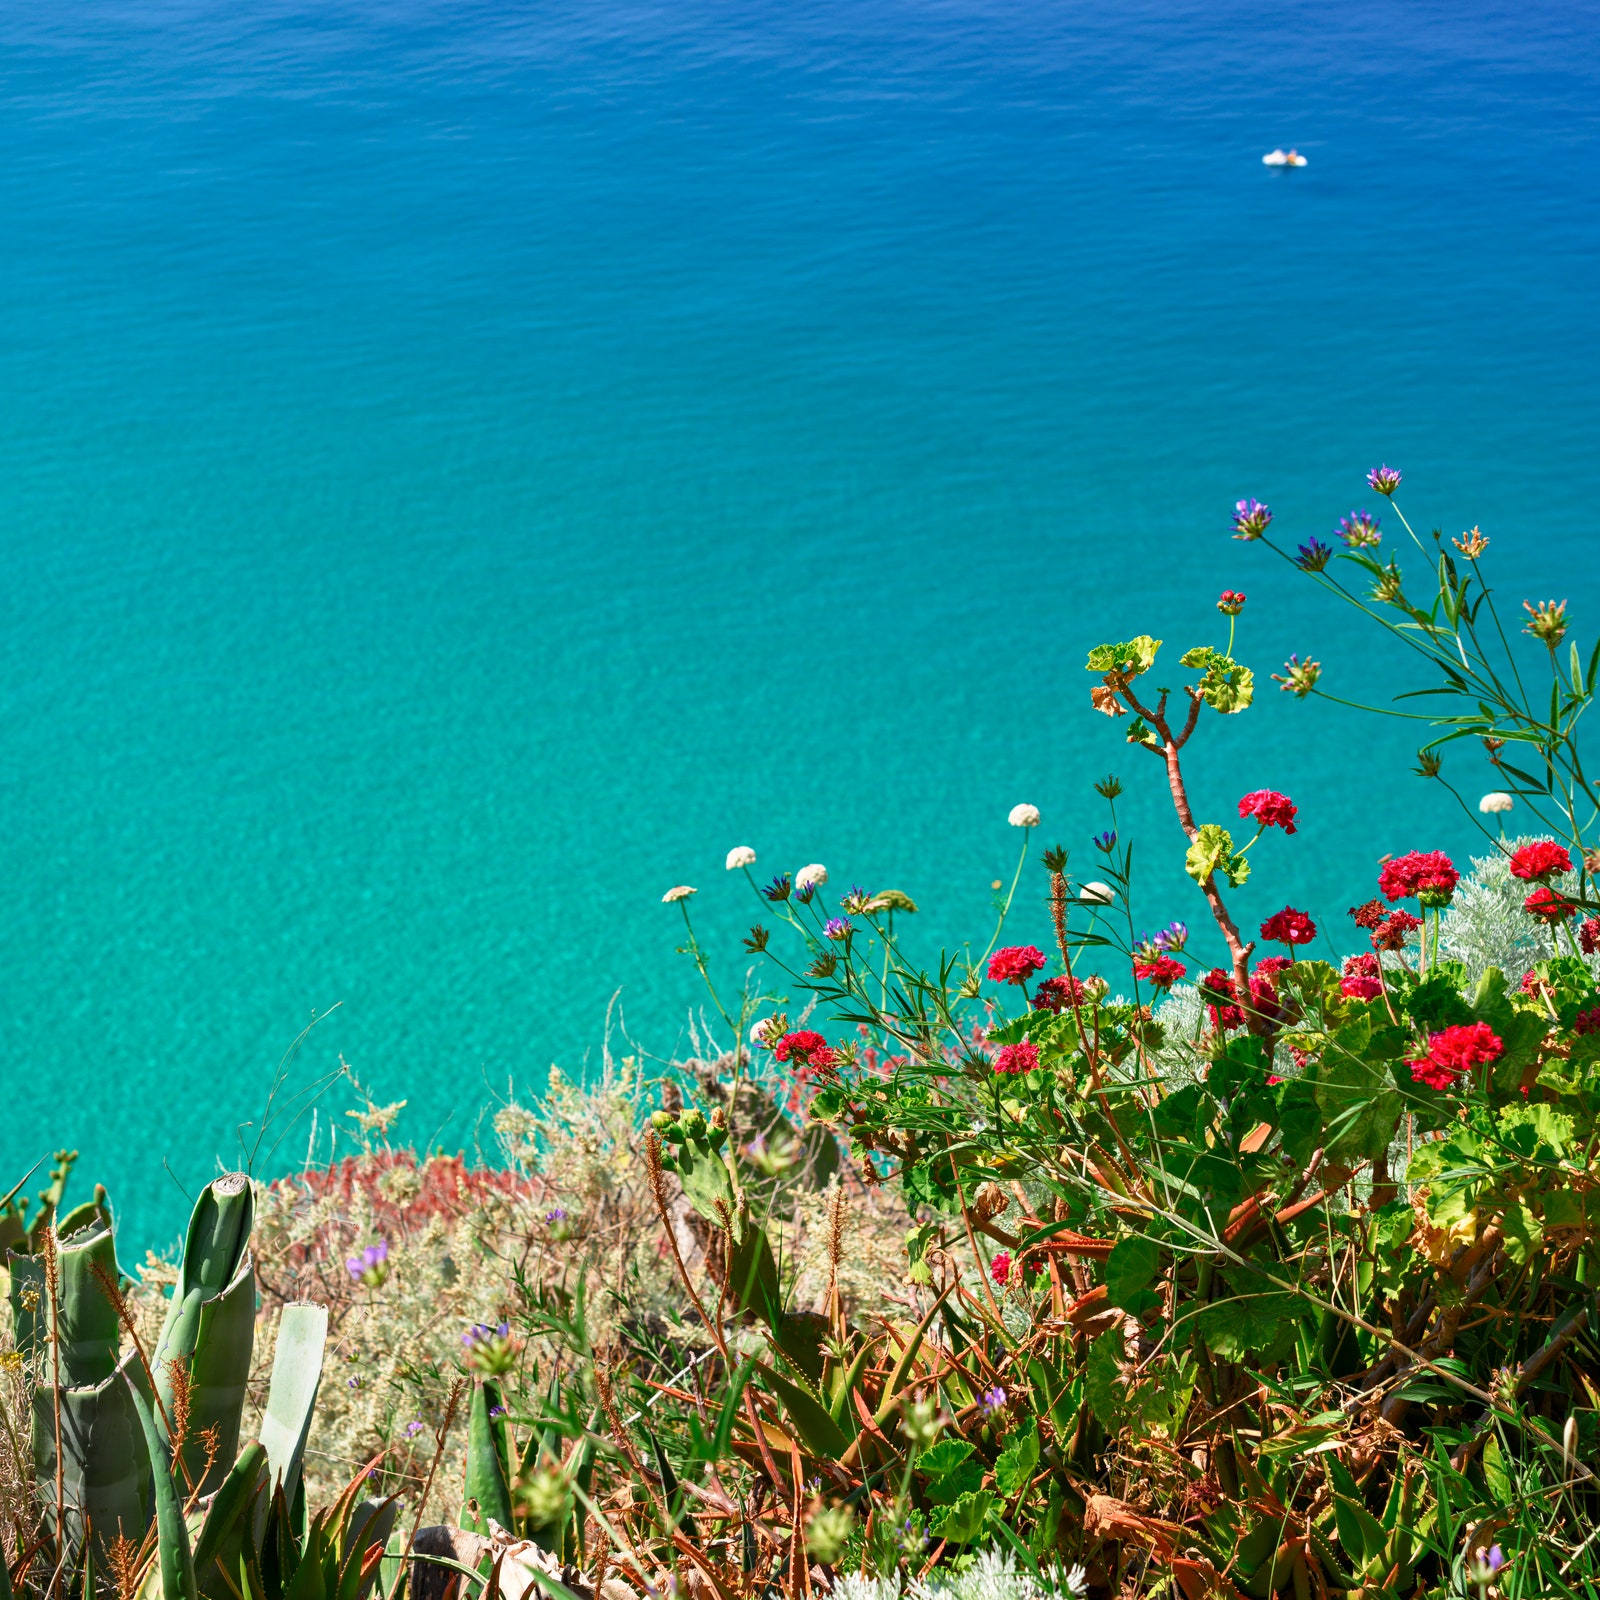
(1359, 530)
(1497, 1556)
(557, 1215)
(992, 1400)
(497, 1411)
(1250, 519)
(779, 888)
(413, 1429)
(1106, 842)
(1172, 937)
(1313, 557)
(1384, 479)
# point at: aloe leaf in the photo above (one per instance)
(177, 1560)
(210, 1324)
(820, 1434)
(486, 1474)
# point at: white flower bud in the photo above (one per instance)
(741, 856)
(1024, 816)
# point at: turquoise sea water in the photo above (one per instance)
(463, 468)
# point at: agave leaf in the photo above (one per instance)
(177, 1560)
(210, 1326)
(291, 1396)
(105, 1467)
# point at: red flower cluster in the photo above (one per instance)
(1264, 985)
(1454, 1052)
(1271, 966)
(1218, 991)
(1361, 980)
(1548, 906)
(1289, 927)
(1270, 809)
(1589, 936)
(1163, 972)
(1540, 861)
(1429, 875)
(1587, 1021)
(1391, 933)
(809, 1051)
(1000, 1267)
(1015, 1058)
(1060, 994)
(1532, 983)
(1015, 964)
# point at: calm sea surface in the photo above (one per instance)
(463, 468)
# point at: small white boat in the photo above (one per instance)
(1283, 158)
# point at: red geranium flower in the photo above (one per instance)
(1361, 980)
(1429, 875)
(1270, 809)
(1218, 991)
(1532, 983)
(1271, 966)
(1000, 1267)
(1548, 906)
(1163, 972)
(1454, 1052)
(1058, 994)
(1540, 861)
(1289, 927)
(1587, 1021)
(1391, 933)
(1015, 964)
(1022, 1057)
(1589, 936)
(807, 1048)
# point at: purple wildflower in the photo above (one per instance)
(838, 928)
(1359, 530)
(806, 893)
(1250, 519)
(413, 1429)
(497, 1411)
(1172, 937)
(992, 1400)
(354, 1383)
(1106, 841)
(779, 888)
(1314, 556)
(557, 1215)
(371, 1267)
(491, 1351)
(1384, 479)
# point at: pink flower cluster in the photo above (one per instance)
(1540, 861)
(1015, 1058)
(1454, 1052)
(1163, 971)
(1015, 964)
(1361, 979)
(1289, 927)
(1427, 875)
(1270, 809)
(807, 1049)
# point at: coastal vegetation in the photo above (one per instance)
(1175, 1262)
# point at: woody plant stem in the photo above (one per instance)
(1170, 744)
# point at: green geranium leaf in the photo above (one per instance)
(1236, 1327)
(943, 1457)
(1130, 658)
(1226, 687)
(963, 1521)
(1212, 848)
(1103, 1383)
(1129, 1268)
(1014, 1468)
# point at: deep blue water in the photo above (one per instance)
(464, 467)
